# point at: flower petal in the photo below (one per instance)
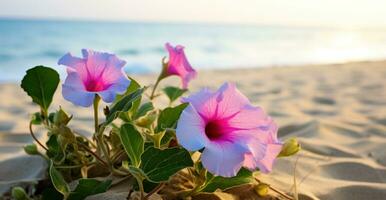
(223, 158)
(73, 91)
(70, 61)
(96, 63)
(265, 164)
(179, 65)
(249, 117)
(119, 87)
(190, 130)
(204, 103)
(230, 100)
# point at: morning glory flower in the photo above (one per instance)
(231, 132)
(96, 73)
(179, 65)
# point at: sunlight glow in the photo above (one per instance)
(332, 13)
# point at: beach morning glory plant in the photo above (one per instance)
(214, 139)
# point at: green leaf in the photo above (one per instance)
(36, 118)
(134, 85)
(159, 165)
(244, 176)
(174, 93)
(58, 181)
(123, 105)
(149, 186)
(40, 83)
(145, 108)
(137, 173)
(167, 137)
(169, 116)
(88, 187)
(55, 151)
(18, 193)
(132, 142)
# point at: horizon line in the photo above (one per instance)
(176, 22)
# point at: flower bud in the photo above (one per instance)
(18, 193)
(262, 189)
(290, 148)
(31, 149)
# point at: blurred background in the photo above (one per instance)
(216, 33)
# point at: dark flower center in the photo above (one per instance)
(214, 130)
(93, 85)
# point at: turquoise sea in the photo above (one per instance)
(26, 43)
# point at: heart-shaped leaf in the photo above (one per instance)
(88, 187)
(169, 116)
(58, 181)
(123, 105)
(243, 176)
(40, 83)
(143, 109)
(159, 165)
(132, 142)
(174, 93)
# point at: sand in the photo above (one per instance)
(338, 113)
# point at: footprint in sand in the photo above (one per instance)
(318, 113)
(6, 126)
(324, 100)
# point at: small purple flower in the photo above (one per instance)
(178, 64)
(233, 133)
(95, 73)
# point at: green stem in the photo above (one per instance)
(96, 103)
(44, 114)
(155, 87)
(94, 154)
(141, 189)
(116, 156)
(34, 137)
(161, 76)
(119, 172)
(99, 132)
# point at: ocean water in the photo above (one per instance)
(27, 43)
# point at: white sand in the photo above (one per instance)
(338, 112)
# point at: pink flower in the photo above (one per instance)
(95, 73)
(179, 65)
(233, 133)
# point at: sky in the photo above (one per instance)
(327, 13)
